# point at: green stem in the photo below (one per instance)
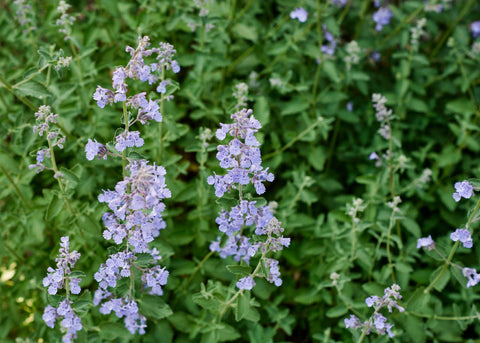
(21, 98)
(195, 271)
(31, 76)
(227, 304)
(447, 33)
(59, 179)
(362, 18)
(289, 144)
(442, 317)
(389, 236)
(124, 152)
(354, 240)
(401, 25)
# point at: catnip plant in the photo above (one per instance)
(137, 201)
(62, 277)
(242, 161)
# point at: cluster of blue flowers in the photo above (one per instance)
(378, 321)
(382, 17)
(60, 278)
(331, 45)
(44, 118)
(136, 203)
(299, 13)
(135, 220)
(145, 109)
(242, 160)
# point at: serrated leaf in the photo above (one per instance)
(337, 311)
(295, 106)
(461, 105)
(33, 88)
(111, 331)
(154, 307)
(443, 280)
(418, 302)
(246, 31)
(54, 207)
(331, 71)
(239, 270)
(243, 306)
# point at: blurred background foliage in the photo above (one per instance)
(317, 148)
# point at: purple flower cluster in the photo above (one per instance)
(463, 189)
(377, 321)
(242, 160)
(426, 242)
(93, 148)
(299, 13)
(329, 48)
(137, 69)
(66, 20)
(339, 3)
(128, 308)
(71, 322)
(246, 283)
(472, 276)
(55, 278)
(464, 236)
(383, 115)
(382, 17)
(135, 220)
(475, 27)
(145, 109)
(60, 278)
(44, 117)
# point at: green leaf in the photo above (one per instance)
(154, 307)
(331, 71)
(209, 303)
(411, 226)
(262, 110)
(418, 301)
(337, 311)
(442, 281)
(317, 158)
(461, 105)
(33, 88)
(111, 331)
(55, 206)
(417, 105)
(295, 106)
(246, 31)
(239, 270)
(243, 306)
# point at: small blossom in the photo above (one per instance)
(475, 27)
(339, 3)
(377, 320)
(464, 236)
(246, 283)
(473, 277)
(463, 189)
(426, 242)
(382, 17)
(299, 13)
(353, 322)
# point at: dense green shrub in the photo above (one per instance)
(357, 189)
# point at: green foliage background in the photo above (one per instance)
(317, 149)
